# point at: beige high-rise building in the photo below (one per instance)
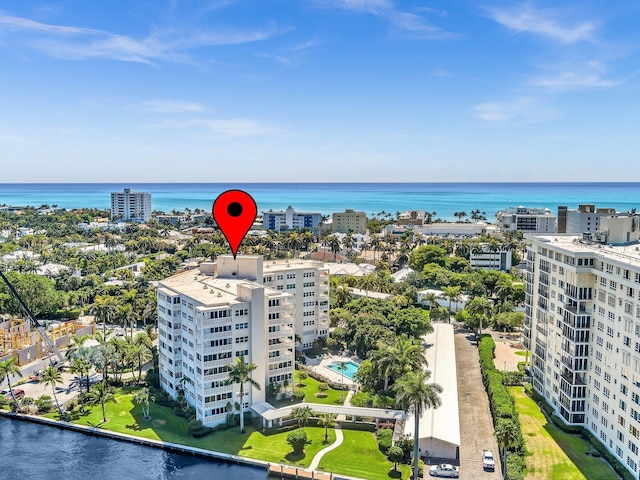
(349, 220)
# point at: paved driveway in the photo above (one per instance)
(476, 427)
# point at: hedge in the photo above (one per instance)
(501, 404)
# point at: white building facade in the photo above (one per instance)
(485, 257)
(525, 219)
(308, 281)
(582, 325)
(212, 315)
(291, 220)
(131, 206)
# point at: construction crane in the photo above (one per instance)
(34, 323)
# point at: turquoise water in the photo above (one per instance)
(350, 370)
(443, 198)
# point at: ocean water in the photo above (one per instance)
(31, 451)
(443, 198)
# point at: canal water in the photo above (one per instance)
(32, 451)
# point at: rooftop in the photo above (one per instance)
(629, 253)
(442, 423)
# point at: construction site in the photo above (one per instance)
(18, 338)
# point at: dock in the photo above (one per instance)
(286, 472)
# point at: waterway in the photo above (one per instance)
(32, 451)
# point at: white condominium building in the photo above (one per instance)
(209, 316)
(582, 325)
(349, 220)
(525, 219)
(131, 206)
(584, 219)
(491, 259)
(308, 281)
(291, 220)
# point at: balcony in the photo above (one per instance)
(281, 346)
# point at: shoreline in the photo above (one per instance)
(167, 446)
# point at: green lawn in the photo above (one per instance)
(125, 417)
(274, 448)
(553, 453)
(522, 353)
(358, 456)
(333, 396)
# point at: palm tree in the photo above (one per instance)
(104, 309)
(75, 345)
(507, 435)
(452, 293)
(51, 376)
(239, 372)
(334, 245)
(142, 397)
(482, 308)
(342, 295)
(432, 298)
(101, 393)
(413, 392)
(302, 414)
(327, 420)
(81, 367)
(9, 368)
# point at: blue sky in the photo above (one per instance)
(319, 90)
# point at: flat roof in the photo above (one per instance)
(628, 253)
(442, 423)
(267, 411)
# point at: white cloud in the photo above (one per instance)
(169, 106)
(573, 80)
(233, 127)
(548, 23)
(78, 43)
(401, 21)
(523, 110)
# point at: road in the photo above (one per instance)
(476, 427)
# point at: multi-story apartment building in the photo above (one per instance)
(582, 326)
(131, 206)
(209, 316)
(525, 219)
(491, 259)
(349, 220)
(412, 217)
(291, 220)
(308, 281)
(584, 219)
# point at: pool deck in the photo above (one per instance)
(321, 365)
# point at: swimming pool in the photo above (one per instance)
(350, 370)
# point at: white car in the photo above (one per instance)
(444, 470)
(488, 462)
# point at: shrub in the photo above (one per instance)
(323, 387)
(297, 439)
(385, 439)
(515, 467)
(321, 395)
(44, 404)
(420, 467)
(362, 399)
(298, 394)
(395, 455)
(302, 375)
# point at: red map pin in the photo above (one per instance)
(234, 211)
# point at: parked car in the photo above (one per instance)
(18, 392)
(35, 376)
(488, 462)
(93, 379)
(444, 470)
